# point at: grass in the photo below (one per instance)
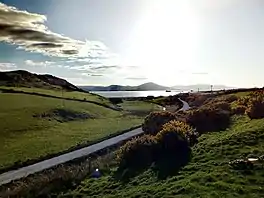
(64, 94)
(23, 135)
(139, 107)
(207, 175)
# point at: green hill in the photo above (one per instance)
(21, 78)
(38, 122)
(207, 175)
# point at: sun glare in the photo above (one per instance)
(165, 38)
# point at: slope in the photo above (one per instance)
(207, 175)
(22, 78)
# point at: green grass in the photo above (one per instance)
(207, 175)
(23, 136)
(139, 107)
(64, 94)
(241, 94)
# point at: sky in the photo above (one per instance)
(130, 42)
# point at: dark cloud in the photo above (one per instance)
(70, 52)
(106, 67)
(28, 31)
(45, 45)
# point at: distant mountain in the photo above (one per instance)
(21, 78)
(155, 87)
(144, 87)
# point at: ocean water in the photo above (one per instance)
(124, 94)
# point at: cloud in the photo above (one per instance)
(192, 73)
(28, 31)
(94, 67)
(7, 66)
(106, 67)
(136, 78)
(33, 63)
(200, 73)
(94, 75)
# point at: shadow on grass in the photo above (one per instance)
(164, 165)
(170, 164)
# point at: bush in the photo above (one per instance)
(238, 110)
(137, 153)
(116, 100)
(243, 101)
(208, 119)
(197, 100)
(255, 109)
(220, 105)
(181, 128)
(230, 98)
(173, 147)
(154, 121)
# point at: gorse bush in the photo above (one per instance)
(229, 98)
(154, 121)
(257, 93)
(137, 153)
(220, 105)
(167, 151)
(238, 110)
(208, 119)
(196, 100)
(243, 101)
(173, 147)
(180, 128)
(255, 109)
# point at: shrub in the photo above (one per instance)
(220, 105)
(230, 98)
(182, 129)
(137, 153)
(154, 121)
(255, 109)
(208, 119)
(116, 100)
(197, 100)
(238, 110)
(173, 147)
(243, 101)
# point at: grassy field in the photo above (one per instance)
(139, 107)
(33, 126)
(207, 175)
(62, 93)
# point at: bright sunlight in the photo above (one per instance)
(166, 37)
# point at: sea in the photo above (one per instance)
(131, 94)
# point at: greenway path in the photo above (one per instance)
(31, 169)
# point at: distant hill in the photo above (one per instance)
(21, 78)
(144, 87)
(155, 87)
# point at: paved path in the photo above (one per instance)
(25, 171)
